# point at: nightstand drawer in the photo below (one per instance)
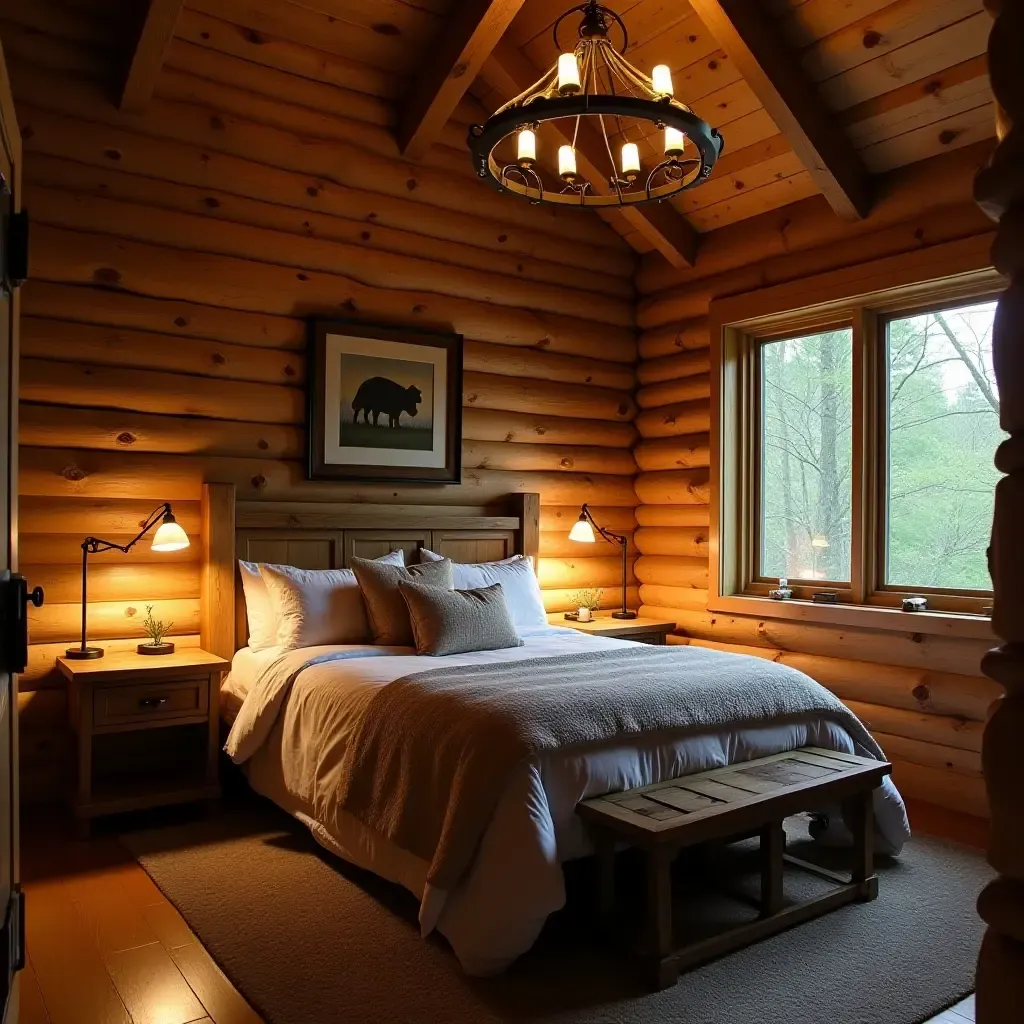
(646, 638)
(178, 700)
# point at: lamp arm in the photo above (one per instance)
(608, 535)
(94, 545)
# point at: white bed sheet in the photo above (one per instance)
(516, 881)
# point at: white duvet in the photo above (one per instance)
(298, 708)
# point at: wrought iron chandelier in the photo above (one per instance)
(594, 82)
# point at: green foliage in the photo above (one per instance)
(155, 629)
(590, 598)
(941, 433)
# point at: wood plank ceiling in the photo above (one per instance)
(867, 85)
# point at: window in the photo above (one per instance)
(854, 450)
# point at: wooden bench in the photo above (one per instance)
(751, 797)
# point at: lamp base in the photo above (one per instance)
(624, 615)
(83, 653)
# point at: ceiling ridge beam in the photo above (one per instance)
(509, 71)
(756, 46)
(147, 58)
(467, 39)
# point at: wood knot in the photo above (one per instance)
(106, 275)
(180, 321)
(371, 216)
(313, 191)
(385, 28)
(259, 481)
(252, 36)
(565, 463)
(302, 277)
(470, 399)
(502, 238)
(112, 154)
(460, 69)
(217, 123)
(212, 203)
(691, 39)
(349, 305)
(739, 185)
(543, 343)
(918, 234)
(933, 87)
(539, 430)
(947, 136)
(921, 693)
(588, 379)
(126, 437)
(712, 65)
(419, 308)
(623, 408)
(130, 612)
(27, 131)
(204, 35)
(510, 436)
(217, 359)
(871, 39)
(411, 184)
(918, 638)
(520, 267)
(73, 473)
(262, 445)
(289, 371)
(364, 235)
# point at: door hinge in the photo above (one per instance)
(16, 246)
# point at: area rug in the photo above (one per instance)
(308, 939)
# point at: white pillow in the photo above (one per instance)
(259, 609)
(318, 606)
(518, 583)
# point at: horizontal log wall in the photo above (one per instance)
(175, 261)
(923, 697)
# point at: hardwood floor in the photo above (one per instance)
(106, 947)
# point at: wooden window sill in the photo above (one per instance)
(893, 620)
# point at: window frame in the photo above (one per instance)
(862, 299)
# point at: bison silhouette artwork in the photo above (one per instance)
(380, 396)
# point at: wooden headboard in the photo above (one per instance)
(321, 535)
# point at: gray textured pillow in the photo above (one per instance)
(385, 609)
(458, 621)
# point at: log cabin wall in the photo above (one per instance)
(175, 257)
(924, 697)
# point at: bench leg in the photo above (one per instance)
(604, 855)
(659, 916)
(860, 817)
(773, 848)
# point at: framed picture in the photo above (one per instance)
(385, 404)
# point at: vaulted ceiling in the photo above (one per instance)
(812, 96)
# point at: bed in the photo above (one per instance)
(515, 879)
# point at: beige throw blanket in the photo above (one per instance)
(435, 750)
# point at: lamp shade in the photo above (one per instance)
(169, 536)
(582, 531)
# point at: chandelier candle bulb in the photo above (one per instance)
(661, 78)
(673, 141)
(567, 161)
(568, 74)
(630, 160)
(527, 147)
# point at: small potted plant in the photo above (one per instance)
(156, 630)
(587, 602)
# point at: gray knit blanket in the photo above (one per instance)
(435, 750)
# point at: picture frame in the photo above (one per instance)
(384, 403)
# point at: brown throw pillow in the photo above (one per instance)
(385, 609)
(458, 621)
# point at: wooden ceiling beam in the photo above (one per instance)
(466, 42)
(509, 72)
(771, 68)
(148, 56)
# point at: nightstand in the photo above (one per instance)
(643, 631)
(146, 728)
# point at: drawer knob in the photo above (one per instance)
(152, 702)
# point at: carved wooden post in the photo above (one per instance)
(999, 189)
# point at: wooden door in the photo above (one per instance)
(13, 627)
